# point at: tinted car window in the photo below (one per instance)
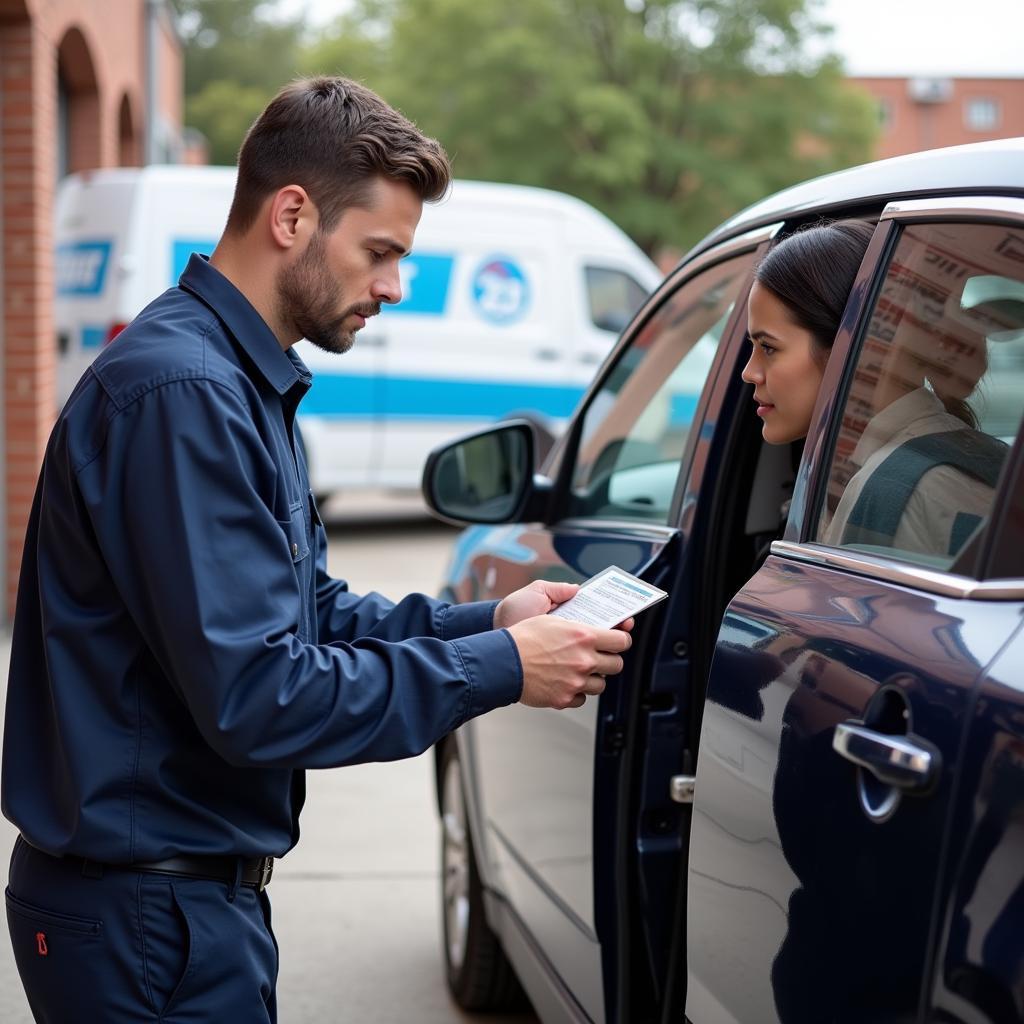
(635, 430)
(935, 398)
(613, 297)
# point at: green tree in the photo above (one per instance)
(667, 114)
(238, 53)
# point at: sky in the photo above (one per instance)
(951, 38)
(929, 37)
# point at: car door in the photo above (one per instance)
(979, 967)
(845, 667)
(546, 782)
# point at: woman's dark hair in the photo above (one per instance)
(333, 137)
(812, 272)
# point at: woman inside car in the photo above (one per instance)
(919, 476)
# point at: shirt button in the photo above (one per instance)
(295, 550)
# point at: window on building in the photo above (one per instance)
(982, 114)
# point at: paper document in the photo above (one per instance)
(608, 598)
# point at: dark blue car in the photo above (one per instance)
(803, 798)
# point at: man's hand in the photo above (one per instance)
(565, 662)
(538, 598)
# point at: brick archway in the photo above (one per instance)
(36, 81)
(81, 65)
(129, 151)
(79, 131)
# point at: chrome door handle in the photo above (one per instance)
(908, 764)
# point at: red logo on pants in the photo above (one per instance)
(41, 944)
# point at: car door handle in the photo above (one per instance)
(901, 761)
(547, 355)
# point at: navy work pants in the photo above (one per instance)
(132, 946)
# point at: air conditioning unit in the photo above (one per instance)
(930, 90)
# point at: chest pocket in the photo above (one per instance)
(297, 535)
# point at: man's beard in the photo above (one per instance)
(308, 299)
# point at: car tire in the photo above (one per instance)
(479, 974)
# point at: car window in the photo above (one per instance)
(635, 428)
(613, 297)
(935, 398)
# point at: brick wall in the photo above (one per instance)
(910, 126)
(99, 48)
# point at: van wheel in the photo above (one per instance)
(479, 975)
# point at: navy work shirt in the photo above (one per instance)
(179, 651)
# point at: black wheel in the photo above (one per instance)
(479, 975)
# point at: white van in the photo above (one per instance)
(511, 298)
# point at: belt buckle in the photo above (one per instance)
(265, 869)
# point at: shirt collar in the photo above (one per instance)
(282, 369)
(896, 418)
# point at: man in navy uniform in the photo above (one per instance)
(180, 654)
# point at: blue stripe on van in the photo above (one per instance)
(346, 395)
(681, 409)
(93, 337)
(81, 267)
(425, 280)
(182, 249)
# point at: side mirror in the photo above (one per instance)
(484, 477)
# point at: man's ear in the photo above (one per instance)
(293, 217)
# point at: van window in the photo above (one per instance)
(935, 398)
(636, 426)
(613, 297)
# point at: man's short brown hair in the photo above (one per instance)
(333, 137)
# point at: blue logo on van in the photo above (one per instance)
(501, 291)
(182, 249)
(82, 267)
(425, 280)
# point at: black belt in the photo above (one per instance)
(255, 871)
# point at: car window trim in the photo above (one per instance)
(731, 248)
(634, 527)
(931, 581)
(979, 209)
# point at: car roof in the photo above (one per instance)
(993, 168)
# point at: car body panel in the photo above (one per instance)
(980, 961)
(781, 852)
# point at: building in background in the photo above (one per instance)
(83, 84)
(930, 112)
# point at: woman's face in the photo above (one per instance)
(784, 367)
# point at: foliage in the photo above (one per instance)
(669, 115)
(237, 55)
